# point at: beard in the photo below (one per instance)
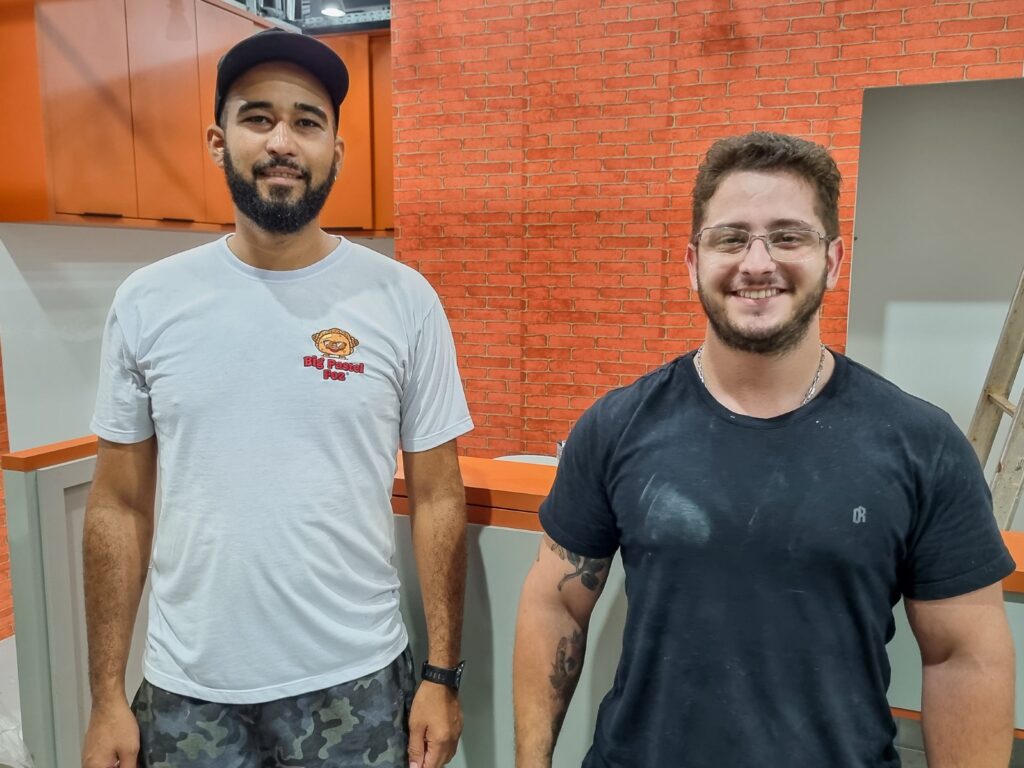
(277, 215)
(764, 341)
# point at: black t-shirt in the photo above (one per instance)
(763, 558)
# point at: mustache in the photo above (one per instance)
(281, 162)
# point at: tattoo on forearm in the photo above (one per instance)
(565, 673)
(566, 669)
(591, 571)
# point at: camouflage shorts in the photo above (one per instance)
(360, 723)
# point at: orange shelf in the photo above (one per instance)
(501, 493)
(1015, 543)
(49, 455)
(498, 484)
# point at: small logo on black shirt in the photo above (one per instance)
(860, 515)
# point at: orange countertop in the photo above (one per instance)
(501, 493)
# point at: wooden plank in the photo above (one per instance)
(49, 455)
(1009, 478)
(1002, 404)
(1006, 361)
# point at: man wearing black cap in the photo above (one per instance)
(278, 369)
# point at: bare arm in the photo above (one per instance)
(438, 501)
(558, 598)
(968, 659)
(117, 539)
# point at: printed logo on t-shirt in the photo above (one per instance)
(860, 515)
(334, 345)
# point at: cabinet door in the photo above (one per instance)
(87, 106)
(383, 141)
(169, 136)
(24, 186)
(350, 205)
(218, 30)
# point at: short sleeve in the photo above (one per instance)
(434, 408)
(577, 513)
(954, 546)
(123, 413)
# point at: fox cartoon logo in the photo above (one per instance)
(335, 342)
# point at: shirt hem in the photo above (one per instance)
(984, 576)
(438, 438)
(276, 692)
(116, 436)
(560, 537)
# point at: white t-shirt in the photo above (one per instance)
(279, 400)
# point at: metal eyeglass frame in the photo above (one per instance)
(751, 237)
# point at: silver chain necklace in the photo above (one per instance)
(810, 392)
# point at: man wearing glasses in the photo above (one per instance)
(772, 500)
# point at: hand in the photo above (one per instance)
(435, 724)
(112, 739)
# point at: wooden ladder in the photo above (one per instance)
(994, 402)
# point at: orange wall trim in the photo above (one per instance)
(502, 518)
(500, 484)
(49, 455)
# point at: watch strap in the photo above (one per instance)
(448, 676)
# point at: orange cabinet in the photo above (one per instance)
(351, 202)
(24, 191)
(165, 109)
(218, 30)
(111, 119)
(113, 122)
(87, 106)
(383, 141)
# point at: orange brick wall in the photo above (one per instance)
(545, 150)
(6, 599)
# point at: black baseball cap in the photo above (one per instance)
(279, 45)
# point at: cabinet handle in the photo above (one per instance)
(104, 215)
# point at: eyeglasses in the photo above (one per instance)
(782, 244)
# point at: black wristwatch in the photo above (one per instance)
(452, 677)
